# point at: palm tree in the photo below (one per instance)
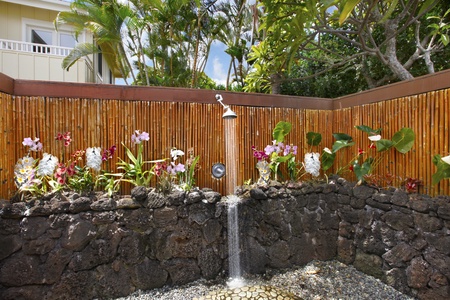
(105, 20)
(207, 29)
(167, 25)
(238, 35)
(167, 41)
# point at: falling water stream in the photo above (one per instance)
(234, 258)
(231, 157)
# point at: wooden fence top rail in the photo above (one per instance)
(20, 87)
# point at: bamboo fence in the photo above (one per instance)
(426, 114)
(106, 122)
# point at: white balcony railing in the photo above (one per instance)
(33, 48)
(39, 50)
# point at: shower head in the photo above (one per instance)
(228, 114)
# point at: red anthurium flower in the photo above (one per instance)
(360, 151)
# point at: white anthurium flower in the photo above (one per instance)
(47, 165)
(175, 153)
(94, 158)
(375, 138)
(312, 163)
(446, 159)
(327, 150)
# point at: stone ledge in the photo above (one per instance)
(100, 247)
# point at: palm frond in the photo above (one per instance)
(81, 50)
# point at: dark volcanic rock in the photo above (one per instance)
(101, 247)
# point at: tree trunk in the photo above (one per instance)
(194, 67)
(390, 55)
(428, 62)
(275, 83)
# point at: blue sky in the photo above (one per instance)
(218, 62)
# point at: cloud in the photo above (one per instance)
(219, 71)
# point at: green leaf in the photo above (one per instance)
(313, 138)
(81, 50)
(281, 130)
(361, 170)
(447, 12)
(192, 169)
(130, 155)
(443, 169)
(383, 145)
(404, 139)
(369, 160)
(389, 12)
(347, 10)
(444, 39)
(427, 4)
(341, 144)
(368, 130)
(327, 160)
(282, 159)
(436, 159)
(342, 137)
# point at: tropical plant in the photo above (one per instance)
(179, 37)
(83, 180)
(47, 175)
(278, 152)
(164, 182)
(26, 176)
(183, 173)
(105, 20)
(108, 183)
(378, 32)
(411, 185)
(135, 171)
(311, 162)
(314, 161)
(443, 168)
(365, 162)
(238, 34)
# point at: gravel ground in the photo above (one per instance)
(317, 280)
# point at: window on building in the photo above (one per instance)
(66, 40)
(100, 64)
(43, 33)
(43, 37)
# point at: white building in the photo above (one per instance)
(31, 48)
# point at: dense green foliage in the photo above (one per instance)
(338, 80)
(321, 48)
(330, 48)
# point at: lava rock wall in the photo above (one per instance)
(283, 227)
(78, 247)
(402, 239)
(94, 247)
